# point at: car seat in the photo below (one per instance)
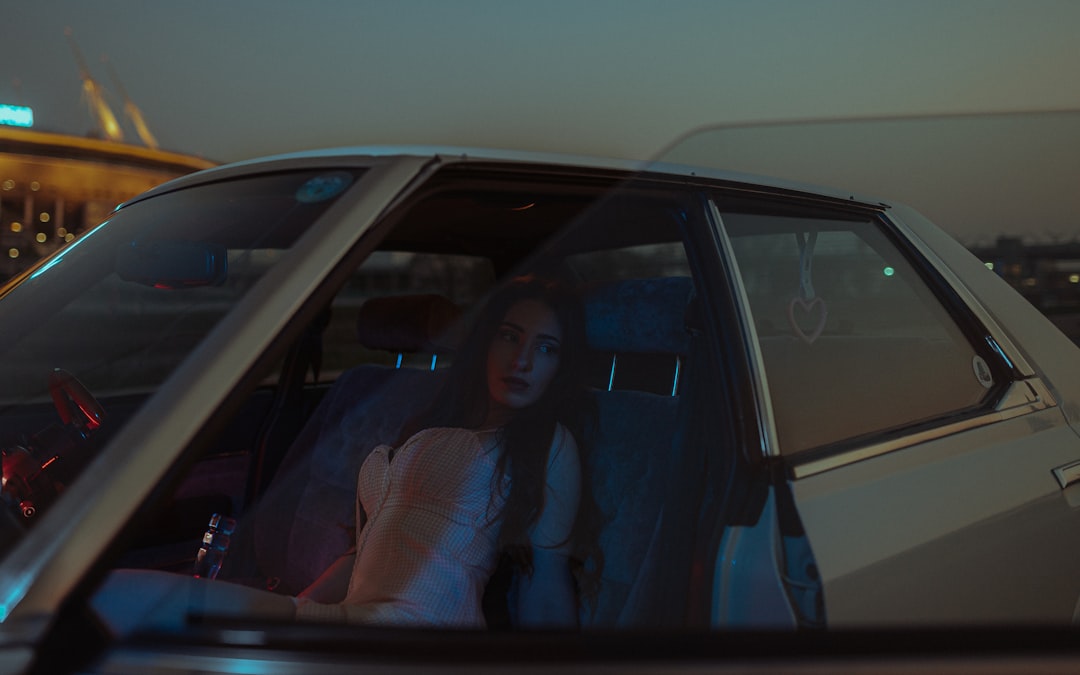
(638, 325)
(306, 519)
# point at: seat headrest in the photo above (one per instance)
(645, 316)
(409, 323)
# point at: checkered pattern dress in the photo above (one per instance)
(430, 545)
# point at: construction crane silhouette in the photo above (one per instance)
(130, 109)
(95, 97)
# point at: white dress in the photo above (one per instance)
(430, 543)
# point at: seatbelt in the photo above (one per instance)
(287, 414)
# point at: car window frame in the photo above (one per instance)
(1020, 392)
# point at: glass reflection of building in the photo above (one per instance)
(53, 187)
(1048, 275)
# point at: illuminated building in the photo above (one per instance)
(55, 186)
(1048, 275)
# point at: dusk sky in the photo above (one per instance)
(230, 80)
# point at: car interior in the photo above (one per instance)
(368, 351)
(373, 354)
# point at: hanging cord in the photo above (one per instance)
(806, 298)
(806, 243)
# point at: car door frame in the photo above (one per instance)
(763, 570)
(847, 498)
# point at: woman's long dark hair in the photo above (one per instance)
(463, 402)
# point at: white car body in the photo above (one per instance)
(967, 518)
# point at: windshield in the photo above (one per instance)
(117, 311)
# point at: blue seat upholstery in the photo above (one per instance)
(626, 452)
(625, 466)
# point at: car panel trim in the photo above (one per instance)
(1068, 474)
(1021, 398)
(766, 420)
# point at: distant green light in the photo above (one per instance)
(888, 271)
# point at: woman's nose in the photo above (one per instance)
(523, 359)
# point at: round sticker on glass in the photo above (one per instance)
(982, 371)
(323, 187)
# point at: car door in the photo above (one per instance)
(920, 447)
(41, 567)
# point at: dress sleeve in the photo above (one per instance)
(562, 493)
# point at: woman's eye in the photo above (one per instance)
(508, 336)
(548, 349)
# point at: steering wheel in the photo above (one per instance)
(74, 402)
(34, 475)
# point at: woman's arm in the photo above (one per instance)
(130, 600)
(546, 598)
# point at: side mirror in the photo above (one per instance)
(163, 263)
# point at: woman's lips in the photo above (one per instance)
(515, 383)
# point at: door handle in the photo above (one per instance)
(1067, 474)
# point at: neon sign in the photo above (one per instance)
(16, 115)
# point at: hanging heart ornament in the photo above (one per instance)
(813, 313)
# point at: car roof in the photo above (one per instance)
(448, 155)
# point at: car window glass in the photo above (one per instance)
(636, 285)
(846, 323)
(134, 331)
(116, 312)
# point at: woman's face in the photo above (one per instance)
(523, 358)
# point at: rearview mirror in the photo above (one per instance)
(163, 263)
